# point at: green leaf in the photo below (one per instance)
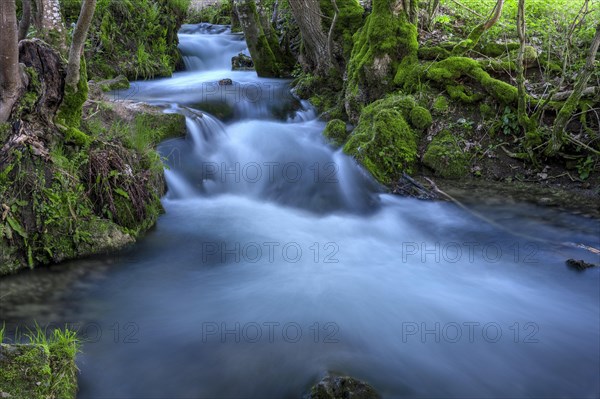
(121, 192)
(16, 226)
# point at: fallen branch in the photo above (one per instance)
(503, 228)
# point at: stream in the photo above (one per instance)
(279, 259)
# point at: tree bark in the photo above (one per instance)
(573, 101)
(79, 36)
(25, 20)
(262, 55)
(10, 77)
(49, 23)
(307, 14)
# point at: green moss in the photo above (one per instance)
(324, 92)
(384, 54)
(463, 93)
(136, 38)
(445, 157)
(44, 368)
(349, 20)
(5, 131)
(119, 83)
(433, 53)
(69, 114)
(383, 140)
(498, 66)
(25, 371)
(216, 14)
(153, 127)
(263, 56)
(420, 118)
(336, 132)
(530, 55)
(470, 42)
(450, 70)
(440, 104)
(29, 99)
(77, 137)
(486, 110)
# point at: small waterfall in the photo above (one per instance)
(208, 47)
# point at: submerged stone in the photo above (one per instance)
(335, 387)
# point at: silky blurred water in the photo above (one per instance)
(279, 259)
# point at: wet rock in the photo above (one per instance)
(579, 265)
(242, 62)
(225, 82)
(338, 387)
(118, 83)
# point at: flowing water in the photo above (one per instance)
(279, 259)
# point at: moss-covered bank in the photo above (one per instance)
(42, 369)
(62, 200)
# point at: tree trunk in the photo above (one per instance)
(10, 77)
(307, 14)
(573, 101)
(25, 20)
(49, 23)
(262, 55)
(384, 55)
(79, 36)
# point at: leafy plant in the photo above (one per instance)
(510, 122)
(585, 167)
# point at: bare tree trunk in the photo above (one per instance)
(573, 101)
(307, 14)
(10, 77)
(79, 36)
(49, 23)
(25, 20)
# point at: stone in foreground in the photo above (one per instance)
(342, 387)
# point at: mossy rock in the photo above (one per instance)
(383, 141)
(119, 83)
(336, 132)
(25, 371)
(420, 118)
(445, 157)
(334, 387)
(42, 370)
